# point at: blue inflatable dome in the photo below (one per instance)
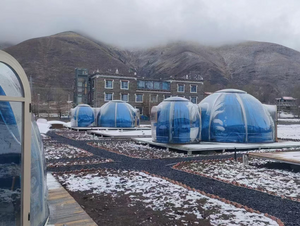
(82, 116)
(234, 116)
(11, 159)
(176, 120)
(118, 114)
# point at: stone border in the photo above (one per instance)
(176, 167)
(237, 205)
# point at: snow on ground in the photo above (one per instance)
(288, 131)
(256, 176)
(135, 150)
(162, 195)
(76, 162)
(58, 151)
(44, 125)
(78, 135)
(286, 115)
(289, 120)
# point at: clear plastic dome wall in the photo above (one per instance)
(10, 161)
(235, 116)
(176, 120)
(82, 116)
(39, 192)
(117, 114)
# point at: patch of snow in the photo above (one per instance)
(282, 182)
(161, 195)
(286, 115)
(58, 151)
(288, 131)
(288, 120)
(136, 150)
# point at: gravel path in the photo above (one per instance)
(286, 210)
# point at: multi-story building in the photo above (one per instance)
(140, 92)
(81, 87)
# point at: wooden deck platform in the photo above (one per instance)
(291, 157)
(64, 210)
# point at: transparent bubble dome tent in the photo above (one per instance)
(23, 190)
(234, 116)
(176, 120)
(118, 114)
(82, 116)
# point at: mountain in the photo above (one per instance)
(4, 45)
(266, 70)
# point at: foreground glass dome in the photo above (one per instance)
(118, 114)
(82, 116)
(13, 134)
(232, 115)
(176, 120)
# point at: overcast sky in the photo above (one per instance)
(144, 23)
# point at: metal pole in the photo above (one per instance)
(38, 106)
(235, 158)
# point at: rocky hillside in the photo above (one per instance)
(263, 69)
(4, 45)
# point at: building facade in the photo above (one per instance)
(81, 86)
(140, 92)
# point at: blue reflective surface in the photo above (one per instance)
(117, 114)
(83, 116)
(235, 116)
(10, 163)
(10, 168)
(175, 120)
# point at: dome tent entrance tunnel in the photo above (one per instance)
(18, 192)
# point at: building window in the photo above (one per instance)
(138, 97)
(79, 100)
(124, 97)
(108, 96)
(149, 85)
(193, 100)
(141, 84)
(108, 84)
(153, 98)
(193, 89)
(166, 96)
(157, 85)
(166, 86)
(124, 84)
(180, 88)
(79, 89)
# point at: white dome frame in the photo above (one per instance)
(13, 64)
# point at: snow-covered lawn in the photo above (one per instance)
(289, 120)
(288, 131)
(59, 151)
(159, 194)
(73, 162)
(286, 115)
(78, 135)
(255, 176)
(132, 149)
